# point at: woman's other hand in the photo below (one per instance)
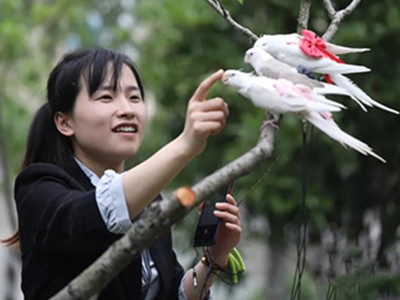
(229, 232)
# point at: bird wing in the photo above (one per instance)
(265, 95)
(276, 69)
(297, 97)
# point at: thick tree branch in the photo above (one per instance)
(219, 8)
(157, 218)
(304, 15)
(337, 17)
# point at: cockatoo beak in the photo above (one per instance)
(225, 78)
(247, 58)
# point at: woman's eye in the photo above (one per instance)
(135, 98)
(105, 97)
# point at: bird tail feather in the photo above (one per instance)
(335, 49)
(327, 89)
(329, 127)
(329, 102)
(358, 93)
(341, 68)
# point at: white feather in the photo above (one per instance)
(282, 96)
(290, 53)
(328, 89)
(266, 65)
(336, 49)
(358, 93)
(333, 130)
(279, 96)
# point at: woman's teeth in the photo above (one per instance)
(127, 129)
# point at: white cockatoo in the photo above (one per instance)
(282, 97)
(264, 64)
(319, 56)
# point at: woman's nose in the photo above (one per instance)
(126, 109)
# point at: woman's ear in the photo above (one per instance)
(62, 122)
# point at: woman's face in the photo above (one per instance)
(108, 126)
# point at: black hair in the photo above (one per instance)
(87, 66)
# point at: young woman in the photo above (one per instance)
(74, 198)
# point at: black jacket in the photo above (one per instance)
(62, 233)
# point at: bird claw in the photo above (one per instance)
(272, 123)
(272, 120)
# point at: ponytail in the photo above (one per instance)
(44, 144)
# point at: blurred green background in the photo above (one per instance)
(352, 201)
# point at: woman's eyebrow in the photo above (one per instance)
(111, 88)
(131, 88)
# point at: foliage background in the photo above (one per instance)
(177, 43)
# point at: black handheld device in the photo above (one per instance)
(207, 226)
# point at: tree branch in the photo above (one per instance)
(337, 17)
(157, 218)
(219, 8)
(329, 8)
(304, 15)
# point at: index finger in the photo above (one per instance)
(204, 87)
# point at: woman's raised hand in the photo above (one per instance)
(204, 117)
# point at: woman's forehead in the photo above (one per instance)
(111, 79)
(125, 79)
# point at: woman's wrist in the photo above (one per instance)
(184, 149)
(212, 256)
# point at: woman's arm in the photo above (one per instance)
(144, 182)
